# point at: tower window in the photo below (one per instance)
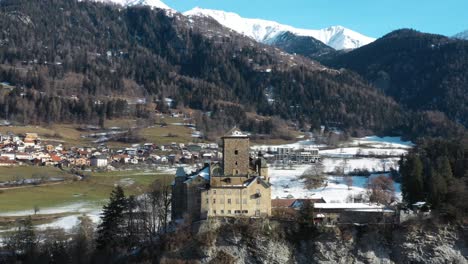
(236, 152)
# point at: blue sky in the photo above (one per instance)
(370, 17)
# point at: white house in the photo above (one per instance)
(9, 155)
(98, 161)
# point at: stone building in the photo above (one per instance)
(238, 187)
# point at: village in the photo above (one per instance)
(287, 163)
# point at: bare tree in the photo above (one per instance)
(349, 181)
(83, 239)
(314, 176)
(381, 190)
(156, 205)
(340, 170)
(36, 209)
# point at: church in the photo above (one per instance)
(239, 187)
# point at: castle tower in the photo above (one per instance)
(262, 168)
(236, 148)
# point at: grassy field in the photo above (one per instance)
(167, 134)
(294, 135)
(27, 172)
(93, 190)
(68, 134)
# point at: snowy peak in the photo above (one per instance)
(257, 29)
(265, 31)
(153, 3)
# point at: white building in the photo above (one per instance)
(98, 161)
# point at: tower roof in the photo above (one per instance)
(235, 132)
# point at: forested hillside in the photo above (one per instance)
(420, 71)
(436, 171)
(303, 45)
(84, 62)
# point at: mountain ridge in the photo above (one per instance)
(152, 3)
(461, 35)
(419, 70)
(337, 37)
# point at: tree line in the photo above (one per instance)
(128, 224)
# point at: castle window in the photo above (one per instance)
(214, 211)
(236, 162)
(214, 201)
(245, 211)
(237, 172)
(229, 201)
(229, 211)
(207, 200)
(222, 211)
(236, 152)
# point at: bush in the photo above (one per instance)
(223, 257)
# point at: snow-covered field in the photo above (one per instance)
(287, 185)
(68, 222)
(374, 154)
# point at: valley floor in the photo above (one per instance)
(87, 197)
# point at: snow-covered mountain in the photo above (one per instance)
(152, 3)
(462, 35)
(266, 31)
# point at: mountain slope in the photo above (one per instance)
(152, 3)
(102, 58)
(264, 31)
(462, 35)
(421, 71)
(303, 45)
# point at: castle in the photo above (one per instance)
(240, 186)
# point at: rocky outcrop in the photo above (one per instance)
(262, 241)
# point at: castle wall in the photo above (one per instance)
(252, 200)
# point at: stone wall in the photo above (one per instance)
(252, 200)
(236, 155)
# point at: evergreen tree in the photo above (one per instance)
(438, 188)
(444, 168)
(111, 231)
(411, 170)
